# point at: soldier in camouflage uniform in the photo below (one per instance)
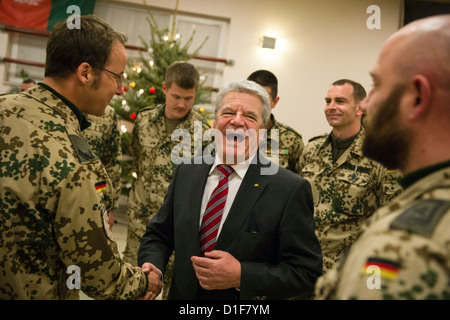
(347, 186)
(104, 138)
(54, 191)
(288, 144)
(404, 252)
(154, 149)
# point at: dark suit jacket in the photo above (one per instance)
(269, 229)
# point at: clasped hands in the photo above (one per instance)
(154, 281)
(217, 270)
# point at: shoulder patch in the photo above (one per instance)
(82, 148)
(422, 217)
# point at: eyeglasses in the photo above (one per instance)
(119, 77)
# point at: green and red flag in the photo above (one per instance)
(41, 14)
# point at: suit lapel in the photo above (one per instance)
(251, 188)
(197, 185)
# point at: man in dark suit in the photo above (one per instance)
(259, 241)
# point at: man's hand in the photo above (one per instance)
(111, 219)
(154, 281)
(218, 270)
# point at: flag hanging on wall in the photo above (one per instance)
(41, 14)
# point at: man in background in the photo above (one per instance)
(290, 143)
(27, 83)
(404, 252)
(347, 186)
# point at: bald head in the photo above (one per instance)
(422, 47)
(408, 108)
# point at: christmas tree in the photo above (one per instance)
(144, 78)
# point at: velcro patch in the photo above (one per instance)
(422, 217)
(82, 149)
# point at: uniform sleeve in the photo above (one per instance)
(302, 159)
(294, 158)
(392, 266)
(82, 232)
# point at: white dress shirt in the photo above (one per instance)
(234, 182)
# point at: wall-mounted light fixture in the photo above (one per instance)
(268, 42)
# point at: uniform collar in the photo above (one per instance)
(84, 123)
(415, 176)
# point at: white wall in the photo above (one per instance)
(318, 42)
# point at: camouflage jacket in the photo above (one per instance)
(404, 252)
(152, 149)
(54, 196)
(290, 146)
(345, 193)
(103, 136)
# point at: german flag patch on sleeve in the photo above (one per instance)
(386, 268)
(100, 186)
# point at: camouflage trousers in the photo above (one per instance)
(130, 256)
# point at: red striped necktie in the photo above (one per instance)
(214, 210)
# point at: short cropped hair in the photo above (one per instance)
(246, 86)
(359, 93)
(184, 74)
(266, 78)
(91, 43)
(29, 80)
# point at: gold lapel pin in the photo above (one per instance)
(256, 185)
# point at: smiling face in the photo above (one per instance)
(341, 110)
(238, 122)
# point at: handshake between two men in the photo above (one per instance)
(218, 270)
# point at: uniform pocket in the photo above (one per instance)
(352, 192)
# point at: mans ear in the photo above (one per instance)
(422, 96)
(359, 110)
(84, 72)
(275, 101)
